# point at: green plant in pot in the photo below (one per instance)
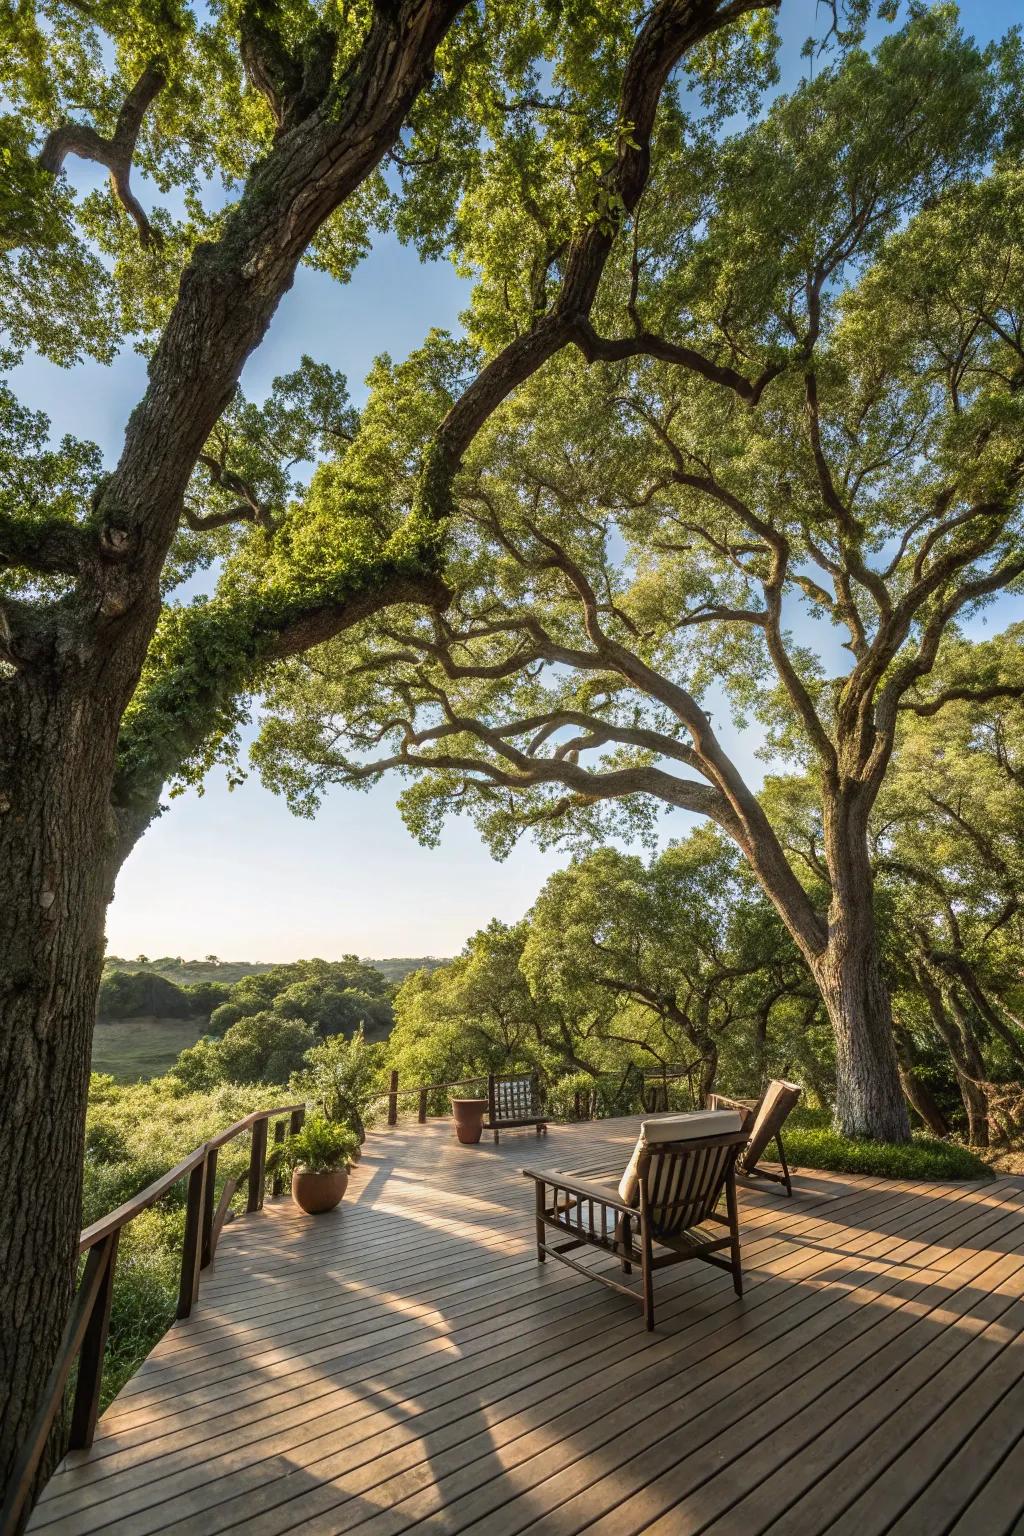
(320, 1156)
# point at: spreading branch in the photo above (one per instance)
(116, 152)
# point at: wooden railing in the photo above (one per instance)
(421, 1092)
(85, 1335)
(648, 1085)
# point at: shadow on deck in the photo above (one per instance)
(405, 1362)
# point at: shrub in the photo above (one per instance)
(343, 1078)
(811, 1142)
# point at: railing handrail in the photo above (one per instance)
(115, 1220)
(85, 1333)
(460, 1082)
(651, 1077)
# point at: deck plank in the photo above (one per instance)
(405, 1363)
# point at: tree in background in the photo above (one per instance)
(679, 961)
(331, 996)
(800, 391)
(271, 126)
(683, 943)
(949, 842)
(477, 1014)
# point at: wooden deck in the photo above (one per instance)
(405, 1364)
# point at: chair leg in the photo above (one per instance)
(539, 1190)
(647, 1272)
(624, 1235)
(732, 1208)
(785, 1166)
(495, 1138)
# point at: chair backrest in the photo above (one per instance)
(778, 1100)
(685, 1181)
(515, 1097)
(679, 1156)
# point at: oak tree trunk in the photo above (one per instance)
(869, 1098)
(56, 767)
(848, 970)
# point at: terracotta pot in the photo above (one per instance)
(318, 1192)
(469, 1119)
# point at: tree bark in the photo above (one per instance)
(56, 764)
(919, 1096)
(869, 1097)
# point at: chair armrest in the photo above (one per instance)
(599, 1193)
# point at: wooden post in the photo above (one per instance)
(423, 1106)
(277, 1185)
(577, 1109)
(192, 1252)
(393, 1099)
(257, 1166)
(208, 1194)
(90, 1362)
(297, 1117)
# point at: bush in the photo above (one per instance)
(811, 1142)
(344, 1079)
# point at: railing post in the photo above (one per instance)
(90, 1362)
(393, 1099)
(297, 1117)
(192, 1252)
(208, 1196)
(423, 1106)
(257, 1166)
(577, 1108)
(277, 1185)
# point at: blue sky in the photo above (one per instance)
(233, 872)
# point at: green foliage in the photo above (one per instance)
(322, 1146)
(128, 994)
(263, 1047)
(812, 1146)
(675, 962)
(344, 1078)
(133, 1135)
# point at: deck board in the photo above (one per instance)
(405, 1363)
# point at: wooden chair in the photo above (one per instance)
(763, 1120)
(513, 1102)
(671, 1189)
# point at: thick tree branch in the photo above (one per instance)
(964, 693)
(117, 152)
(46, 546)
(670, 31)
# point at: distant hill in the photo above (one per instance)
(397, 969)
(185, 973)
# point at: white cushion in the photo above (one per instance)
(695, 1126)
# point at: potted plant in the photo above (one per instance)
(320, 1156)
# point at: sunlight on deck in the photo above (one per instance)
(405, 1362)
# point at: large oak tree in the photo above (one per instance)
(798, 400)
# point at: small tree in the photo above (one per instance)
(679, 939)
(343, 1078)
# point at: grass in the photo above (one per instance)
(131, 1049)
(812, 1143)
